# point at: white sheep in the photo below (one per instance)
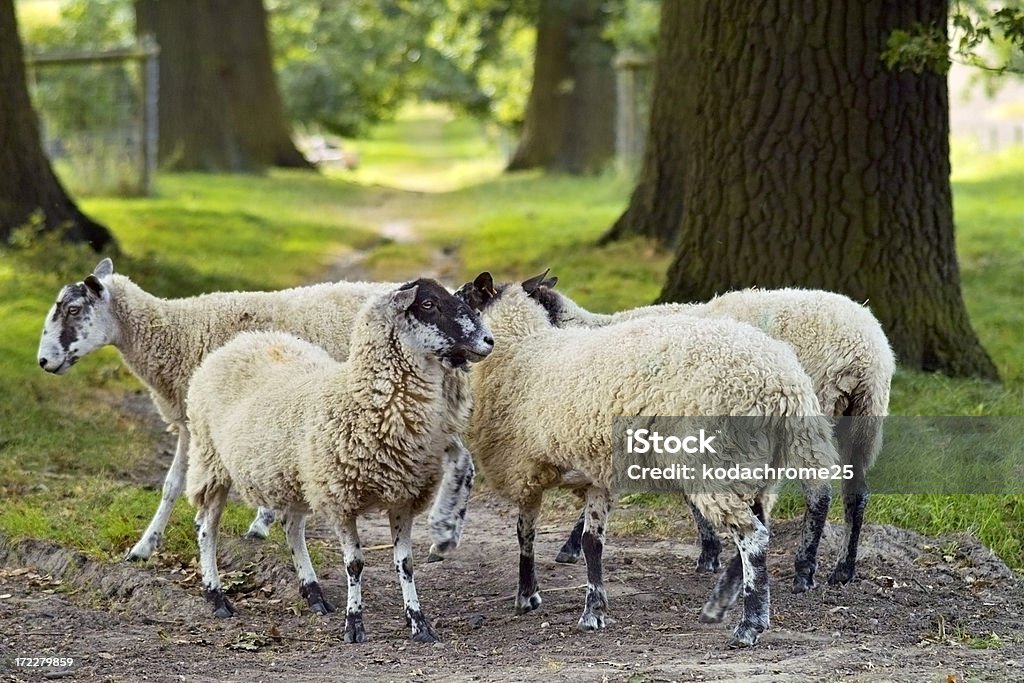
(840, 345)
(162, 341)
(543, 410)
(296, 431)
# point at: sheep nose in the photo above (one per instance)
(43, 362)
(488, 339)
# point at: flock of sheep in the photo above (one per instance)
(348, 397)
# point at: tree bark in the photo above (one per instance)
(569, 124)
(28, 185)
(810, 164)
(656, 205)
(220, 107)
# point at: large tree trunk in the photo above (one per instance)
(809, 163)
(570, 115)
(220, 107)
(27, 183)
(656, 205)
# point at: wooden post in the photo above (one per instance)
(150, 96)
(630, 126)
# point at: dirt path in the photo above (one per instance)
(911, 618)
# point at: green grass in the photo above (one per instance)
(68, 451)
(426, 149)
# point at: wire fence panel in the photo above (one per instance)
(97, 116)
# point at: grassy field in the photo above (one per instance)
(71, 456)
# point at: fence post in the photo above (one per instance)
(150, 95)
(630, 120)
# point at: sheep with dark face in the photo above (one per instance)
(543, 410)
(162, 341)
(841, 347)
(295, 431)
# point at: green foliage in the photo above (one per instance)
(918, 49)
(979, 36)
(343, 65)
(634, 25)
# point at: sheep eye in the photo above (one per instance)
(427, 305)
(74, 310)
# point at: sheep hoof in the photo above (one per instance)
(802, 584)
(426, 634)
(707, 564)
(529, 603)
(222, 607)
(744, 636)
(590, 622)
(144, 548)
(841, 574)
(354, 631)
(133, 556)
(711, 614)
(255, 535)
(567, 557)
(439, 551)
(322, 606)
(314, 596)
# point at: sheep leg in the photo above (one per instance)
(527, 595)
(174, 484)
(448, 514)
(752, 543)
(401, 530)
(573, 546)
(309, 587)
(208, 523)
(819, 498)
(725, 593)
(353, 554)
(855, 500)
(710, 546)
(597, 509)
(260, 527)
(727, 589)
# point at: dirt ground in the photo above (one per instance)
(925, 610)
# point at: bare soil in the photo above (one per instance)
(924, 610)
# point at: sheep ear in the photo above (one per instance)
(404, 298)
(531, 285)
(94, 286)
(550, 282)
(485, 283)
(104, 268)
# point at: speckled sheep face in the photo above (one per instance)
(442, 324)
(481, 292)
(78, 323)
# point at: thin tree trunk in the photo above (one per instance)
(220, 108)
(811, 164)
(28, 186)
(570, 115)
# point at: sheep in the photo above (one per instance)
(544, 404)
(298, 432)
(840, 345)
(162, 341)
